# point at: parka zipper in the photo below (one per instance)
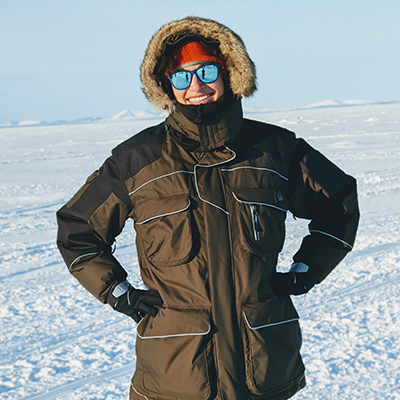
(254, 220)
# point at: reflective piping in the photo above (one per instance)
(253, 202)
(301, 378)
(209, 166)
(133, 387)
(160, 177)
(198, 192)
(258, 168)
(333, 237)
(164, 215)
(176, 335)
(267, 325)
(83, 255)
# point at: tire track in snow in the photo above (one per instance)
(68, 387)
(42, 206)
(63, 338)
(29, 271)
(359, 289)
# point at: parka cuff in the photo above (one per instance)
(116, 291)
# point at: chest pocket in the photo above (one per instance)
(261, 214)
(164, 226)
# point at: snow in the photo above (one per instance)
(337, 103)
(123, 116)
(58, 342)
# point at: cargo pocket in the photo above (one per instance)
(171, 353)
(272, 342)
(261, 217)
(164, 227)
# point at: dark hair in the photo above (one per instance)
(168, 62)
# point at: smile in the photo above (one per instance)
(200, 98)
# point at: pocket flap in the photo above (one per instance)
(160, 207)
(273, 197)
(275, 311)
(172, 323)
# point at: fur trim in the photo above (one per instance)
(241, 69)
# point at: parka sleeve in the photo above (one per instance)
(88, 225)
(323, 193)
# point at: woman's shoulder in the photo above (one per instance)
(148, 139)
(141, 149)
(266, 135)
(265, 128)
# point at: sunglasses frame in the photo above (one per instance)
(193, 72)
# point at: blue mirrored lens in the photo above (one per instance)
(181, 80)
(208, 73)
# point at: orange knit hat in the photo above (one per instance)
(193, 52)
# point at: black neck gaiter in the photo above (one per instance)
(203, 113)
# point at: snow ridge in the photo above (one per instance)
(129, 115)
(126, 115)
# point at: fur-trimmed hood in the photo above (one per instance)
(241, 69)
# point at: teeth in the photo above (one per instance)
(198, 99)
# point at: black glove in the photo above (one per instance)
(284, 284)
(137, 303)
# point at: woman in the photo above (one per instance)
(209, 191)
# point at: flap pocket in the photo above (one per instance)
(261, 219)
(172, 350)
(275, 311)
(160, 207)
(272, 342)
(174, 323)
(270, 197)
(163, 226)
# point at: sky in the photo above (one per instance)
(81, 58)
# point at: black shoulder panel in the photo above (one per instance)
(257, 131)
(260, 136)
(140, 150)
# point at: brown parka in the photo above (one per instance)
(209, 203)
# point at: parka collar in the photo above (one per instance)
(217, 132)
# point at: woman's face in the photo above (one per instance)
(198, 92)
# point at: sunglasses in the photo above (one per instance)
(207, 73)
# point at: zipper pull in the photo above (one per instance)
(256, 224)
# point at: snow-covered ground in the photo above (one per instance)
(57, 342)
